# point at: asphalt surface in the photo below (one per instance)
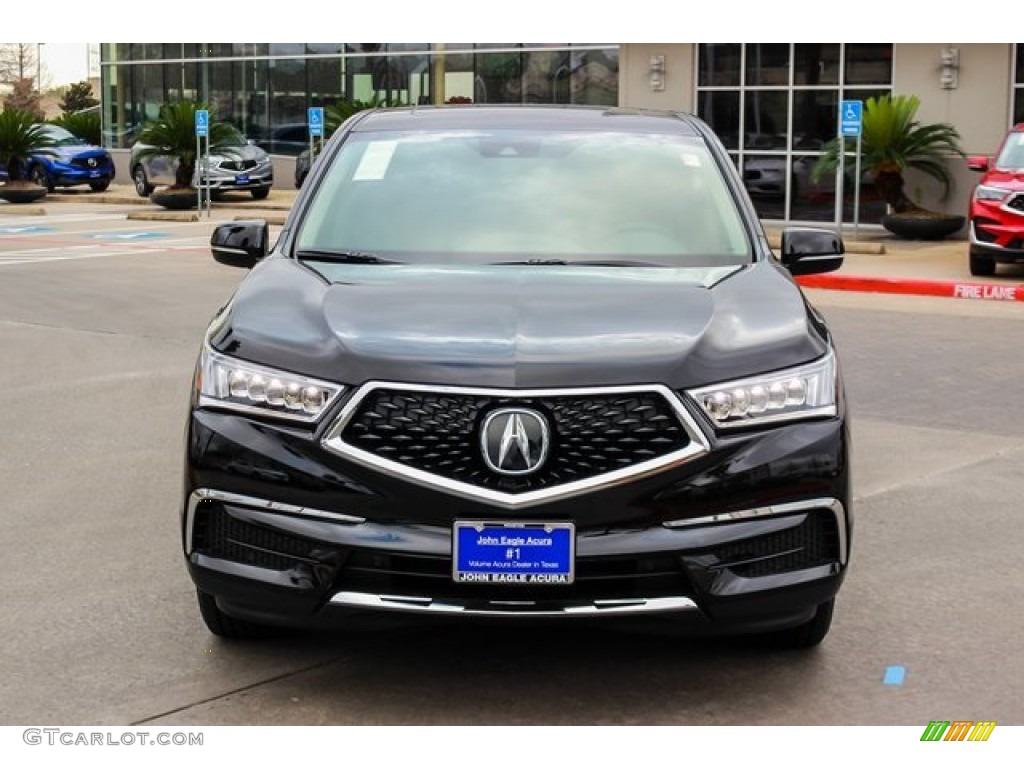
(99, 336)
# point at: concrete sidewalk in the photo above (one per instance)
(875, 262)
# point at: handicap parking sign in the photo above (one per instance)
(202, 122)
(316, 121)
(850, 115)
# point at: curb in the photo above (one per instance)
(275, 219)
(162, 216)
(914, 287)
(18, 210)
(100, 197)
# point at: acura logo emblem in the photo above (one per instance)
(514, 441)
(92, 162)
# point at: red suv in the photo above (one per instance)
(997, 206)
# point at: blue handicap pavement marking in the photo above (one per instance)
(23, 230)
(894, 675)
(128, 235)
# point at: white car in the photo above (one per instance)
(246, 168)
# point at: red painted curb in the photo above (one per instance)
(954, 290)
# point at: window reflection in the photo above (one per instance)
(264, 89)
(786, 97)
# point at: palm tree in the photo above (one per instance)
(173, 134)
(20, 137)
(892, 141)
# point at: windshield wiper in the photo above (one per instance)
(533, 263)
(579, 263)
(343, 257)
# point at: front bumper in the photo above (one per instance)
(67, 175)
(996, 231)
(751, 536)
(222, 180)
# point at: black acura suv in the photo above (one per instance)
(520, 362)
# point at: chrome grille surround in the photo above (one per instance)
(698, 444)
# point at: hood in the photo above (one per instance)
(520, 326)
(247, 152)
(80, 150)
(1006, 178)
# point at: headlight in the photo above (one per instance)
(990, 193)
(225, 382)
(796, 393)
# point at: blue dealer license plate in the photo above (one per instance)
(513, 553)
(242, 179)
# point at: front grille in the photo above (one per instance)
(604, 578)
(83, 162)
(218, 534)
(590, 434)
(813, 542)
(238, 165)
(1016, 203)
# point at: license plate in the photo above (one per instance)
(242, 180)
(513, 553)
(94, 174)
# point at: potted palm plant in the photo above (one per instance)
(892, 141)
(173, 135)
(20, 137)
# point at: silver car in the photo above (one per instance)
(247, 168)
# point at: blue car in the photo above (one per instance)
(72, 162)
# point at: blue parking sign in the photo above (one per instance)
(316, 121)
(202, 122)
(850, 116)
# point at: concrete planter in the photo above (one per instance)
(174, 199)
(916, 227)
(21, 192)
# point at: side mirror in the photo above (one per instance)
(977, 162)
(811, 251)
(240, 243)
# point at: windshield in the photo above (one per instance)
(62, 137)
(1012, 154)
(513, 195)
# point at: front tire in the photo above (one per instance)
(260, 194)
(99, 186)
(982, 265)
(806, 635)
(142, 186)
(42, 178)
(228, 627)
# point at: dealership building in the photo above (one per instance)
(773, 105)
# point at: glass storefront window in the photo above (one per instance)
(1018, 85)
(719, 64)
(868, 64)
(721, 110)
(786, 98)
(768, 64)
(816, 64)
(265, 88)
(766, 119)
